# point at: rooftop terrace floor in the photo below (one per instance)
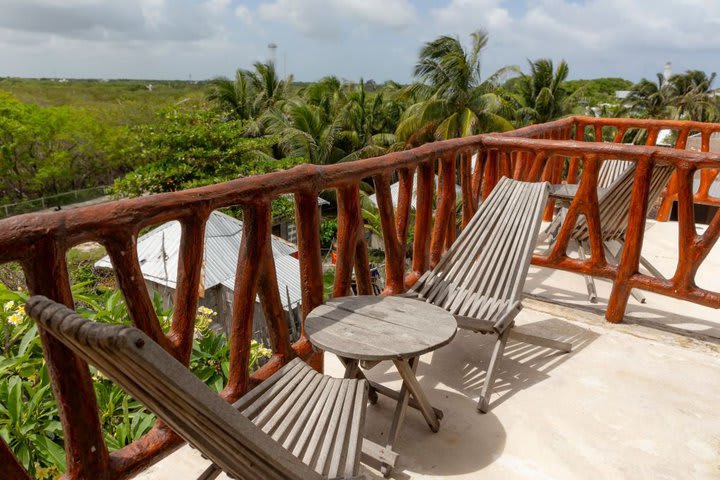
(631, 401)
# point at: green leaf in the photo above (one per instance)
(52, 451)
(29, 336)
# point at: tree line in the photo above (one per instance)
(257, 122)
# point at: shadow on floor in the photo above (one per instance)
(464, 444)
(452, 378)
(647, 315)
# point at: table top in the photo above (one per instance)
(379, 328)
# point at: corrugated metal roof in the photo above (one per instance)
(287, 270)
(395, 192)
(158, 252)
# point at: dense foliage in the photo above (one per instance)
(191, 148)
(685, 96)
(49, 150)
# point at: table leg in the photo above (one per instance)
(407, 372)
(352, 370)
(398, 418)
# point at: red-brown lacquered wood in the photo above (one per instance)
(630, 258)
(85, 451)
(402, 216)
(468, 201)
(574, 167)
(256, 225)
(349, 231)
(477, 176)
(490, 178)
(271, 301)
(122, 250)
(394, 246)
(362, 264)
(445, 209)
(307, 219)
(684, 278)
(9, 465)
(423, 222)
(538, 166)
(189, 276)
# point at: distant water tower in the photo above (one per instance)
(667, 71)
(273, 52)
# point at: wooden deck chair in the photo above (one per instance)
(614, 207)
(298, 424)
(610, 171)
(481, 277)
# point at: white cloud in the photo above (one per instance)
(244, 14)
(488, 14)
(326, 18)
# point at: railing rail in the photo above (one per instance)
(41, 241)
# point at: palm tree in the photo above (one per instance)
(694, 98)
(368, 123)
(251, 93)
(540, 94)
(653, 100)
(304, 131)
(452, 100)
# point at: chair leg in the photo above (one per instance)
(637, 294)
(589, 281)
(484, 401)
(552, 230)
(651, 268)
(564, 347)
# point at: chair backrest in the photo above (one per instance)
(482, 274)
(614, 203)
(172, 392)
(611, 170)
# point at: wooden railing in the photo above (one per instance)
(40, 242)
(685, 135)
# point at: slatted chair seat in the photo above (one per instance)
(298, 424)
(481, 277)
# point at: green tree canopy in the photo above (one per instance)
(452, 100)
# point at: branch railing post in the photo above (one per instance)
(256, 225)
(85, 451)
(423, 221)
(630, 258)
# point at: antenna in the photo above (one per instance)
(273, 51)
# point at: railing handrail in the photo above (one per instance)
(19, 233)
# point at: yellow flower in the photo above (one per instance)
(9, 306)
(15, 319)
(21, 310)
(42, 473)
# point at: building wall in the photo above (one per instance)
(220, 299)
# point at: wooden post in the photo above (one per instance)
(630, 259)
(85, 451)
(189, 276)
(256, 225)
(423, 221)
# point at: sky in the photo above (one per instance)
(373, 39)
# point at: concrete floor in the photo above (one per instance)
(636, 400)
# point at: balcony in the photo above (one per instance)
(604, 409)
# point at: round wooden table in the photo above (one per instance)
(368, 329)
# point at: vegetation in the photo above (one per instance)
(452, 100)
(685, 96)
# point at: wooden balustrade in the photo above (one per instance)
(542, 152)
